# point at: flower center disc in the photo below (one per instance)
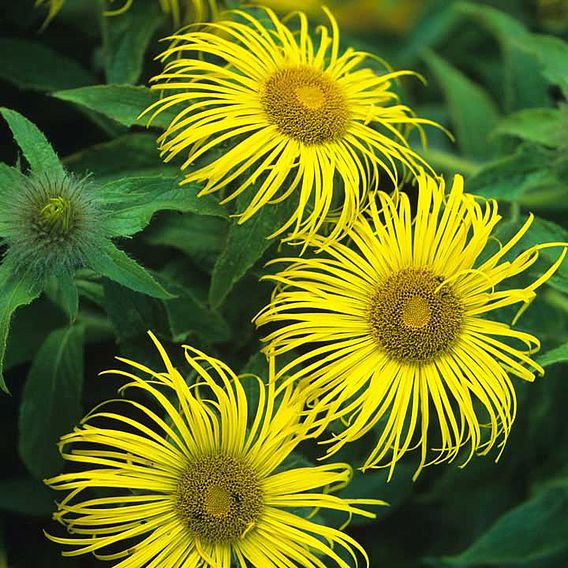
(306, 105)
(218, 499)
(413, 318)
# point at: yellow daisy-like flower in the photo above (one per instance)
(181, 11)
(198, 479)
(395, 331)
(299, 118)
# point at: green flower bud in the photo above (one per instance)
(51, 224)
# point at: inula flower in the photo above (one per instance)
(51, 223)
(398, 332)
(268, 111)
(198, 479)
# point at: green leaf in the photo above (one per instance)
(530, 532)
(433, 28)
(510, 178)
(9, 178)
(199, 237)
(25, 496)
(131, 153)
(556, 355)
(51, 400)
(35, 147)
(32, 65)
(135, 200)
(90, 286)
(125, 40)
(522, 74)
(15, 291)
(189, 317)
(474, 115)
(29, 327)
(546, 126)
(63, 292)
(552, 54)
(119, 267)
(122, 103)
(133, 314)
(449, 163)
(245, 245)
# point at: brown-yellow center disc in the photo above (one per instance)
(414, 316)
(305, 104)
(219, 499)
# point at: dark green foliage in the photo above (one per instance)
(51, 400)
(32, 65)
(122, 103)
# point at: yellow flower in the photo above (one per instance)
(181, 11)
(299, 118)
(193, 476)
(395, 331)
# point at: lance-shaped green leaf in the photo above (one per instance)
(126, 39)
(511, 177)
(188, 316)
(15, 291)
(10, 178)
(552, 54)
(134, 152)
(245, 245)
(133, 314)
(29, 327)
(33, 65)
(474, 115)
(34, 145)
(119, 267)
(51, 400)
(135, 200)
(531, 532)
(200, 237)
(546, 126)
(63, 291)
(122, 103)
(557, 355)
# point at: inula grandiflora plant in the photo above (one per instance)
(326, 246)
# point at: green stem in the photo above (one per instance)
(449, 162)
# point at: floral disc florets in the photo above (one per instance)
(415, 316)
(306, 105)
(51, 222)
(219, 499)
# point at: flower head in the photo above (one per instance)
(396, 330)
(199, 479)
(51, 223)
(293, 118)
